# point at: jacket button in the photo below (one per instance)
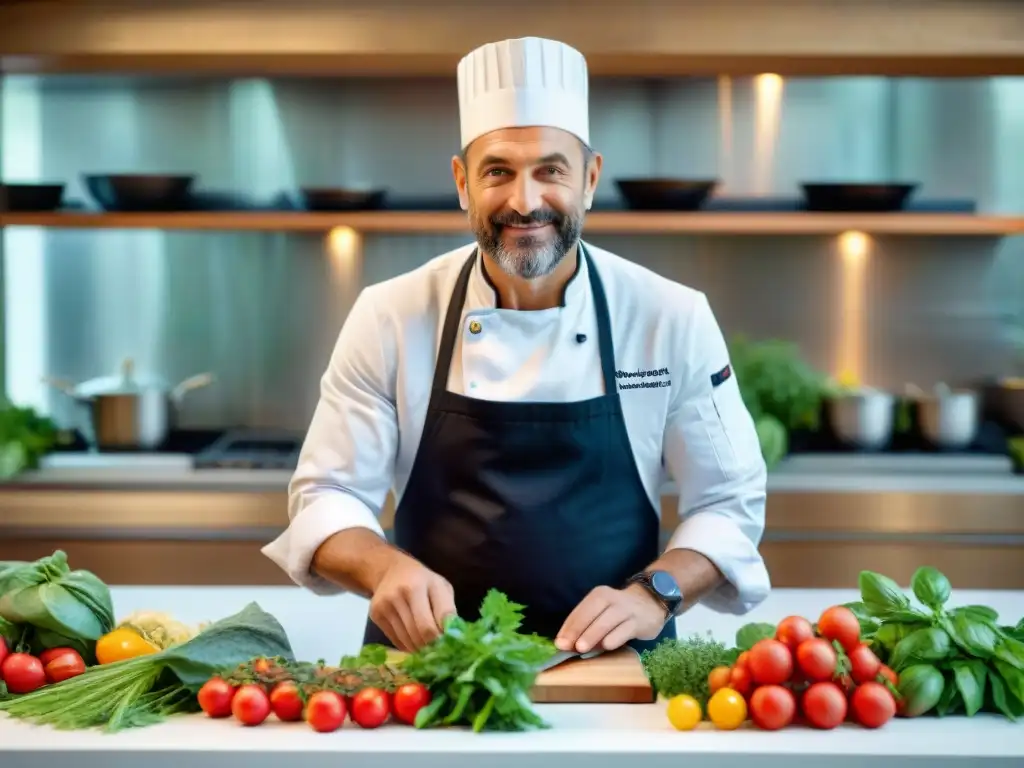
(475, 327)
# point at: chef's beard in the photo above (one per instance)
(530, 257)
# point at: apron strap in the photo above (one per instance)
(604, 325)
(451, 327)
(454, 315)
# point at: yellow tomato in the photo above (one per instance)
(727, 709)
(122, 643)
(684, 712)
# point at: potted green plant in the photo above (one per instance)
(780, 389)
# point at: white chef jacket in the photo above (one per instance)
(682, 406)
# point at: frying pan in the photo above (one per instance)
(856, 198)
(31, 197)
(665, 194)
(140, 192)
(340, 199)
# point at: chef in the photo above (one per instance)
(525, 397)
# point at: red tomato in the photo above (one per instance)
(63, 665)
(771, 663)
(889, 674)
(215, 697)
(408, 700)
(23, 673)
(741, 681)
(286, 702)
(839, 623)
(792, 631)
(824, 705)
(370, 707)
(873, 705)
(3, 652)
(719, 678)
(50, 653)
(742, 660)
(250, 705)
(325, 711)
(772, 707)
(864, 665)
(817, 659)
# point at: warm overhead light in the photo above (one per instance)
(853, 245)
(343, 242)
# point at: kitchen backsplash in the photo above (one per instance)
(262, 311)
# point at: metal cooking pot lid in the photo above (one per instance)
(127, 383)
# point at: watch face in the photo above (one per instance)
(664, 585)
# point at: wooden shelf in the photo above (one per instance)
(611, 222)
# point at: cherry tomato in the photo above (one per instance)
(741, 681)
(772, 707)
(408, 700)
(771, 663)
(719, 678)
(250, 705)
(839, 623)
(286, 702)
(3, 652)
(23, 673)
(864, 665)
(792, 631)
(50, 653)
(817, 659)
(63, 666)
(873, 706)
(727, 709)
(888, 673)
(325, 711)
(370, 707)
(742, 660)
(824, 705)
(215, 697)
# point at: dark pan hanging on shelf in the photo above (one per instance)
(856, 197)
(663, 194)
(24, 198)
(140, 192)
(340, 199)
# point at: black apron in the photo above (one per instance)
(540, 500)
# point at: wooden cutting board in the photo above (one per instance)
(616, 677)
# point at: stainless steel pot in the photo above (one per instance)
(949, 419)
(130, 412)
(862, 418)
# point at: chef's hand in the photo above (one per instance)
(410, 603)
(609, 618)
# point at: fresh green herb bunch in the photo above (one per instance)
(949, 660)
(682, 665)
(480, 673)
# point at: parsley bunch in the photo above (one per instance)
(480, 673)
(682, 665)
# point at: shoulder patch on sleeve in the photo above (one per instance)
(721, 376)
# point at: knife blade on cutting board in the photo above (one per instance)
(563, 656)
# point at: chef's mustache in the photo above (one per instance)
(514, 219)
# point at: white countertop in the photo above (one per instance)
(821, 473)
(592, 735)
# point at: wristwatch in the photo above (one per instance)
(663, 588)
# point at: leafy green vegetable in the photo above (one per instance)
(61, 606)
(25, 437)
(958, 658)
(682, 665)
(868, 623)
(481, 673)
(146, 689)
(931, 587)
(371, 655)
(748, 635)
